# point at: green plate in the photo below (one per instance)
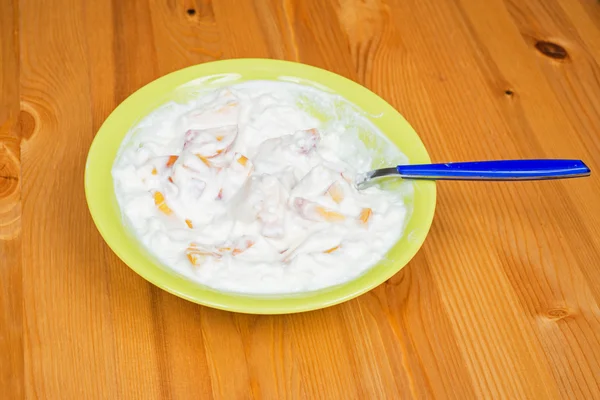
(181, 85)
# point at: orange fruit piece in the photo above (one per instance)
(188, 222)
(159, 200)
(335, 192)
(196, 255)
(331, 250)
(365, 215)
(172, 160)
(154, 171)
(329, 215)
(194, 258)
(204, 160)
(243, 160)
(237, 251)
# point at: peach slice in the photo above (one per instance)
(239, 247)
(171, 160)
(315, 212)
(241, 165)
(159, 200)
(158, 166)
(204, 160)
(331, 250)
(197, 255)
(330, 215)
(194, 258)
(365, 215)
(242, 159)
(336, 192)
(209, 143)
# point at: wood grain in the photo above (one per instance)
(11, 326)
(501, 302)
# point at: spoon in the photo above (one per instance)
(500, 170)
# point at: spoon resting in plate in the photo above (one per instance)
(500, 170)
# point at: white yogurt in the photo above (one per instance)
(243, 190)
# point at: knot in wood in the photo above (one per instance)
(551, 50)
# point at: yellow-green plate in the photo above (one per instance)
(180, 85)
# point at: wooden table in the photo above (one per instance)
(501, 302)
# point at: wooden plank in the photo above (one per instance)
(69, 345)
(11, 312)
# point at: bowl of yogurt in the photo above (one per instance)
(230, 184)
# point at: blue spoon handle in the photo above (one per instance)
(507, 170)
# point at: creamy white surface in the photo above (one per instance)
(265, 189)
